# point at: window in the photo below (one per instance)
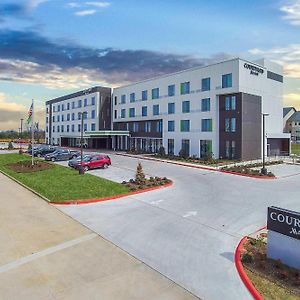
(47, 120)
(68, 117)
(144, 95)
(148, 127)
(159, 126)
(144, 111)
(62, 128)
(62, 118)
(206, 125)
(230, 103)
(58, 118)
(85, 127)
(79, 103)
(85, 102)
(185, 106)
(54, 108)
(155, 93)
(155, 110)
(185, 88)
(171, 126)
(53, 129)
(58, 128)
(93, 100)
(123, 113)
(47, 129)
(171, 90)
(73, 104)
(171, 108)
(185, 125)
(93, 127)
(93, 114)
(58, 107)
(47, 110)
(79, 116)
(131, 112)
(232, 149)
(227, 125)
(135, 127)
(227, 80)
(53, 119)
(185, 147)
(171, 146)
(205, 84)
(68, 128)
(233, 124)
(116, 100)
(123, 99)
(78, 127)
(227, 149)
(205, 148)
(73, 116)
(73, 127)
(62, 107)
(132, 97)
(205, 104)
(115, 114)
(68, 106)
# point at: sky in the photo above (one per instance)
(49, 48)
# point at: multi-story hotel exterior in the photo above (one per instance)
(211, 110)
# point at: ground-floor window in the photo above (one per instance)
(185, 147)
(171, 146)
(230, 149)
(205, 148)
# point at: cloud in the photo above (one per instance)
(98, 4)
(33, 4)
(74, 4)
(31, 58)
(288, 56)
(86, 12)
(292, 12)
(292, 99)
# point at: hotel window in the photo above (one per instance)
(62, 128)
(93, 127)
(155, 93)
(73, 116)
(68, 117)
(227, 80)
(93, 100)
(47, 110)
(62, 107)
(205, 104)
(53, 119)
(47, 120)
(123, 99)
(171, 126)
(62, 118)
(123, 113)
(185, 125)
(233, 102)
(79, 103)
(144, 111)
(46, 128)
(132, 97)
(227, 125)
(227, 149)
(53, 129)
(116, 100)
(131, 112)
(148, 127)
(205, 148)
(73, 104)
(58, 128)
(233, 149)
(58, 118)
(93, 116)
(144, 95)
(185, 147)
(58, 107)
(230, 103)
(79, 116)
(79, 127)
(68, 106)
(68, 128)
(54, 108)
(185, 88)
(171, 108)
(205, 84)
(135, 127)
(171, 146)
(233, 124)
(155, 110)
(115, 114)
(159, 126)
(73, 128)
(85, 127)
(85, 102)
(85, 115)
(206, 125)
(171, 90)
(185, 106)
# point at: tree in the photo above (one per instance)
(162, 151)
(10, 146)
(139, 175)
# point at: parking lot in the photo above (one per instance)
(189, 231)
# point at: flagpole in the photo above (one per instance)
(32, 133)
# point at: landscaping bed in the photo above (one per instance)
(26, 166)
(59, 183)
(271, 278)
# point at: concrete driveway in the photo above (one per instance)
(189, 231)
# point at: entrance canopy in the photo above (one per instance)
(106, 133)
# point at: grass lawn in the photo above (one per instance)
(268, 289)
(60, 183)
(296, 149)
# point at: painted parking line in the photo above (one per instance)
(23, 260)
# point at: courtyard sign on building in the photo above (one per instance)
(254, 70)
(284, 236)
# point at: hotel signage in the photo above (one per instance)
(284, 221)
(254, 70)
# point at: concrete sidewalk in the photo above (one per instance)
(47, 255)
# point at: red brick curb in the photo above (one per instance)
(95, 200)
(199, 167)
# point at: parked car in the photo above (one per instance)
(74, 161)
(62, 154)
(43, 150)
(94, 162)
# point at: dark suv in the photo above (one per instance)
(62, 154)
(43, 150)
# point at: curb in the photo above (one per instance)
(238, 263)
(25, 186)
(198, 167)
(95, 200)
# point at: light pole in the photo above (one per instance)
(263, 169)
(81, 169)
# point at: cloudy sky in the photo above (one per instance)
(52, 47)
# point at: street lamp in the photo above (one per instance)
(81, 169)
(263, 169)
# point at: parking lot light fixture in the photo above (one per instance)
(264, 171)
(81, 168)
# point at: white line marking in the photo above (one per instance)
(156, 202)
(189, 214)
(29, 258)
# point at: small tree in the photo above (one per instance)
(162, 151)
(139, 175)
(182, 153)
(10, 146)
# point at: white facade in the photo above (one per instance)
(244, 80)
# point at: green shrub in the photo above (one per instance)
(247, 258)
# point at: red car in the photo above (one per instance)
(94, 162)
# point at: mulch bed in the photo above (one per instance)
(134, 185)
(254, 258)
(26, 167)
